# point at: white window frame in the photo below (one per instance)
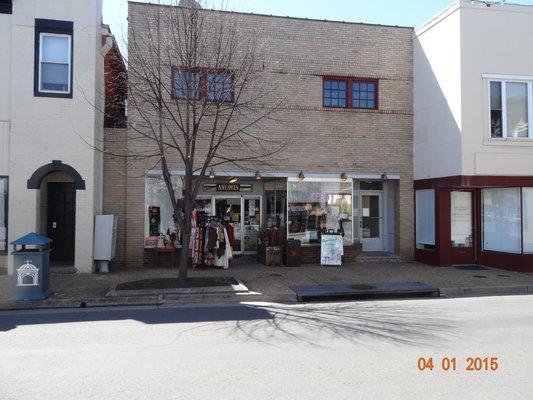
(69, 58)
(504, 79)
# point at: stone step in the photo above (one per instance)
(364, 291)
(379, 259)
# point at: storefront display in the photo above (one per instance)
(317, 205)
(159, 211)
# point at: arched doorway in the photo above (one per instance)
(57, 184)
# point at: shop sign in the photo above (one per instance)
(228, 187)
(319, 197)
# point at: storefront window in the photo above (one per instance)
(313, 206)
(527, 206)
(461, 218)
(3, 214)
(159, 209)
(425, 219)
(276, 203)
(501, 220)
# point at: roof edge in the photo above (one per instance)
(138, 2)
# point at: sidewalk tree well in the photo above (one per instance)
(198, 100)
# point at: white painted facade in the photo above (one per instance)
(455, 55)
(36, 130)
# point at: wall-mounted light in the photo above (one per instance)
(232, 179)
(258, 176)
(301, 176)
(344, 178)
(211, 174)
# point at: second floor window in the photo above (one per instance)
(53, 58)
(203, 84)
(510, 106)
(54, 63)
(350, 93)
(186, 84)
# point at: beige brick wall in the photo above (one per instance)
(115, 187)
(296, 54)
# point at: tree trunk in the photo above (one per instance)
(184, 257)
(186, 238)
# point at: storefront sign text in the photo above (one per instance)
(228, 187)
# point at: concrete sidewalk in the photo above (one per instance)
(271, 283)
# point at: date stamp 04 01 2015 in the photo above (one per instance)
(473, 364)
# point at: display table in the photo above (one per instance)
(168, 250)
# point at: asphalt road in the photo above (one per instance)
(356, 350)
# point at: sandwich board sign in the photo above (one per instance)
(331, 249)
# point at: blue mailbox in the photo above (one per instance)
(31, 275)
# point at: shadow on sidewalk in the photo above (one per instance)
(354, 322)
(414, 324)
(12, 320)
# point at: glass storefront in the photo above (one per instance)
(317, 205)
(301, 209)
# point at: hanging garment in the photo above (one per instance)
(231, 234)
(222, 257)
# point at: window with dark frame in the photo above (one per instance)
(220, 86)
(202, 83)
(350, 93)
(363, 94)
(6, 7)
(186, 84)
(53, 58)
(335, 93)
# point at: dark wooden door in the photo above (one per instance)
(62, 220)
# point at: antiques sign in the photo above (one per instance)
(228, 187)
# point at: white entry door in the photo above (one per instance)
(371, 222)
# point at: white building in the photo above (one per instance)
(51, 90)
(473, 138)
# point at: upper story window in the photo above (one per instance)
(186, 84)
(6, 6)
(53, 58)
(335, 93)
(220, 86)
(202, 83)
(350, 93)
(511, 108)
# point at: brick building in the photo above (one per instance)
(347, 110)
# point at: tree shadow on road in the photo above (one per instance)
(392, 322)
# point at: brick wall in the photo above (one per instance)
(115, 187)
(296, 54)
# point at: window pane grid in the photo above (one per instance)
(186, 85)
(335, 93)
(219, 87)
(363, 94)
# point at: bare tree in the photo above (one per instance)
(198, 100)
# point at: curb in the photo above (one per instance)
(163, 300)
(485, 291)
(168, 300)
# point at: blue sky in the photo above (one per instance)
(389, 12)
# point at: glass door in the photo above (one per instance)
(371, 221)
(461, 227)
(230, 209)
(251, 223)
